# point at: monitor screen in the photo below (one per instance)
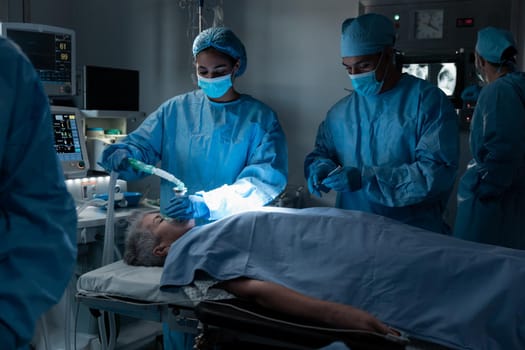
(70, 144)
(107, 88)
(51, 50)
(442, 74)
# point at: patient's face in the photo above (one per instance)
(167, 231)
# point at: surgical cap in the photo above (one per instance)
(224, 40)
(366, 34)
(492, 42)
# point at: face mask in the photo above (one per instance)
(215, 87)
(479, 72)
(366, 84)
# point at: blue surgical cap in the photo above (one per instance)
(224, 40)
(492, 42)
(366, 35)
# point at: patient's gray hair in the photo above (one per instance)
(140, 243)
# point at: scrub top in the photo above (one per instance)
(491, 194)
(234, 153)
(405, 142)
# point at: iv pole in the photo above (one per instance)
(201, 5)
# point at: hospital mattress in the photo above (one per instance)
(141, 284)
(214, 313)
(134, 291)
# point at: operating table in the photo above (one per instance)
(214, 315)
(432, 287)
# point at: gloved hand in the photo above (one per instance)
(187, 207)
(485, 190)
(115, 158)
(317, 172)
(344, 179)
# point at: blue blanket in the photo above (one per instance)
(434, 287)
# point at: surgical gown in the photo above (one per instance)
(37, 214)
(491, 194)
(405, 141)
(434, 287)
(234, 152)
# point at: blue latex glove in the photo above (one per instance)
(115, 158)
(317, 172)
(344, 179)
(187, 207)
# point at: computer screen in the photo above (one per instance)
(51, 50)
(70, 144)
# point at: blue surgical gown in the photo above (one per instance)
(434, 287)
(491, 193)
(234, 152)
(405, 141)
(37, 214)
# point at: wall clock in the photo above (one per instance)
(428, 24)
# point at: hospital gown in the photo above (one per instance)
(434, 287)
(405, 142)
(235, 152)
(37, 214)
(491, 194)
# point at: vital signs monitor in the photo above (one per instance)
(70, 144)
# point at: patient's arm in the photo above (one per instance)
(276, 297)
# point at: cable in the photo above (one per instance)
(108, 256)
(201, 5)
(109, 234)
(69, 295)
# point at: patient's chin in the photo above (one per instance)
(185, 224)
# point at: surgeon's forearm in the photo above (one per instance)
(282, 299)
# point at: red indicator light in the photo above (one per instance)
(465, 22)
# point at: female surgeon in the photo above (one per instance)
(227, 147)
(491, 194)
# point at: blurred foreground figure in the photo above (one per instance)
(37, 215)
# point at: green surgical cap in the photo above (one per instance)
(492, 42)
(224, 40)
(366, 35)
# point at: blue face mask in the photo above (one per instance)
(366, 84)
(215, 87)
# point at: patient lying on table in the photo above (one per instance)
(316, 262)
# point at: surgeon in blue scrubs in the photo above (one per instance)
(228, 148)
(38, 219)
(390, 147)
(491, 194)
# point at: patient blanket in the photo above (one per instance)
(434, 287)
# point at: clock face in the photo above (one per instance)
(429, 24)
